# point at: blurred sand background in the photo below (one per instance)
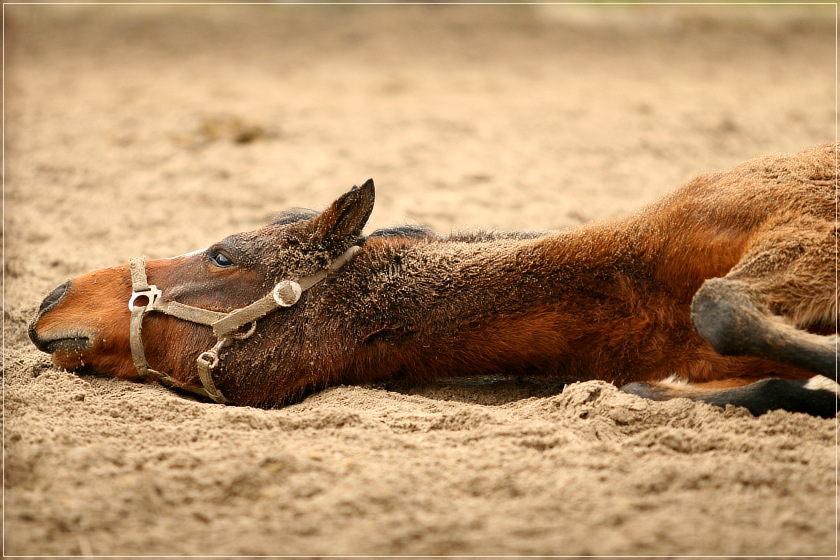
(157, 130)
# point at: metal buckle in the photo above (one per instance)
(152, 294)
(209, 358)
(286, 293)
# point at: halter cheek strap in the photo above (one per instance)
(227, 327)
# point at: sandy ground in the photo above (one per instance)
(157, 130)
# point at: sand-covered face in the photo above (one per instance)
(84, 323)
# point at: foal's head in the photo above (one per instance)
(84, 323)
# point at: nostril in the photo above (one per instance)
(49, 302)
(54, 297)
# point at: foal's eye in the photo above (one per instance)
(220, 259)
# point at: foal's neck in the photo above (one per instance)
(425, 308)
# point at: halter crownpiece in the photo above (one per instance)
(227, 327)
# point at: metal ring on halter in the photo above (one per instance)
(152, 294)
(209, 358)
(286, 293)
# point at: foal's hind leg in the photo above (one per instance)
(779, 302)
(729, 320)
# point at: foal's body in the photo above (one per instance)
(607, 300)
(610, 300)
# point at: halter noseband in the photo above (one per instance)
(226, 326)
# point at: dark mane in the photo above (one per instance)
(480, 235)
(404, 231)
(293, 215)
(410, 231)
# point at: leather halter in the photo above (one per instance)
(226, 326)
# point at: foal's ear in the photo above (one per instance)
(344, 219)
